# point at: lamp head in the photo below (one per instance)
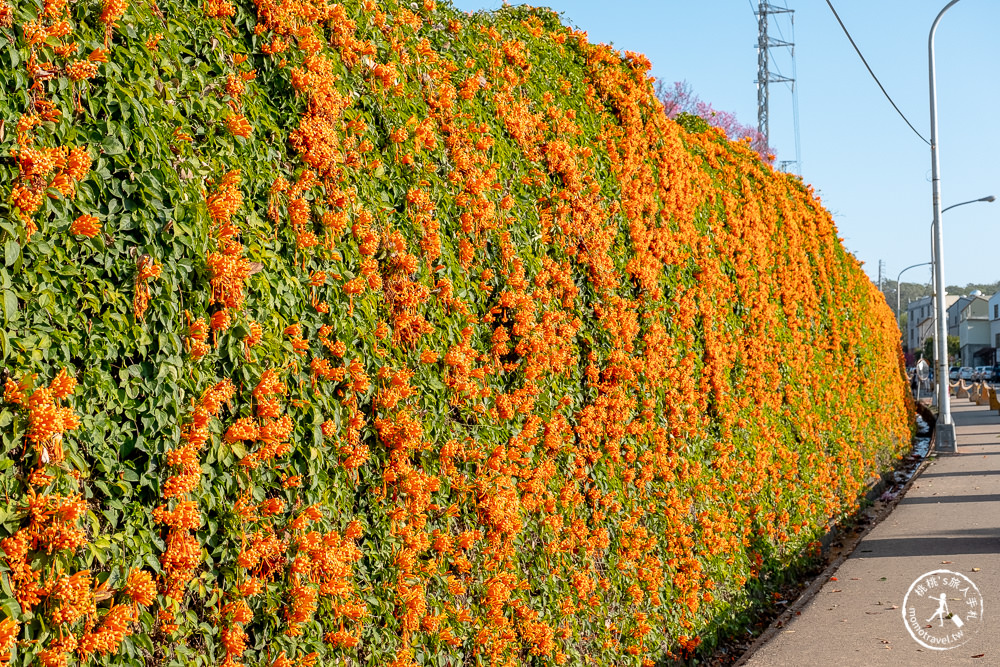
(990, 198)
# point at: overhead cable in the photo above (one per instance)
(860, 55)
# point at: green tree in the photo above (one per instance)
(954, 347)
(985, 288)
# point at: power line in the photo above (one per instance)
(795, 104)
(881, 87)
(781, 33)
(781, 75)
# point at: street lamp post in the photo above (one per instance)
(945, 426)
(971, 201)
(934, 291)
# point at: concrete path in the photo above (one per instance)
(948, 520)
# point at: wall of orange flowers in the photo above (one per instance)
(377, 333)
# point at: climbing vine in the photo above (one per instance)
(377, 333)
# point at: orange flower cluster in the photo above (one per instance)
(107, 637)
(47, 420)
(226, 199)
(219, 9)
(80, 70)
(42, 168)
(140, 588)
(51, 538)
(294, 333)
(47, 31)
(53, 528)
(238, 125)
(8, 626)
(229, 268)
(322, 569)
(147, 269)
(403, 295)
(256, 335)
(85, 225)
(183, 553)
(53, 518)
(197, 336)
(111, 11)
(271, 428)
(314, 565)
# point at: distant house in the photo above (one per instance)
(916, 312)
(920, 321)
(974, 331)
(955, 308)
(925, 331)
(994, 310)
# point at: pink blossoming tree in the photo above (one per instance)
(679, 98)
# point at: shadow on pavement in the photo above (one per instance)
(916, 547)
(934, 500)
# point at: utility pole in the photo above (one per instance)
(945, 429)
(764, 75)
(881, 285)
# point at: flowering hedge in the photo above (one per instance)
(374, 333)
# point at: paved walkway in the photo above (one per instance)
(948, 520)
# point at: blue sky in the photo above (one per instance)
(869, 168)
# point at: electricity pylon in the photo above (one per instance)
(764, 74)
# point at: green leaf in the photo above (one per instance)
(77, 462)
(153, 563)
(11, 608)
(112, 146)
(99, 553)
(11, 251)
(9, 305)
